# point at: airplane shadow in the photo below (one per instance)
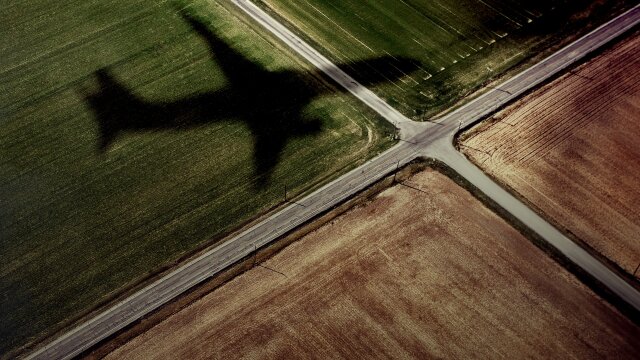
(270, 103)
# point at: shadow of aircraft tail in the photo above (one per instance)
(118, 110)
(112, 105)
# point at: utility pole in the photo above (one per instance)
(397, 167)
(255, 254)
(285, 193)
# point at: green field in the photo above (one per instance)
(88, 209)
(458, 44)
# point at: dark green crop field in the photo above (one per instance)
(133, 132)
(458, 44)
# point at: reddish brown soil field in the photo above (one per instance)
(411, 274)
(572, 150)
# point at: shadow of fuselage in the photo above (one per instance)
(270, 103)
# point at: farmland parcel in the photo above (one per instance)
(571, 149)
(118, 154)
(459, 44)
(428, 273)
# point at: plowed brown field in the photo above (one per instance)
(572, 149)
(411, 274)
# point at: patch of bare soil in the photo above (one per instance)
(419, 274)
(572, 150)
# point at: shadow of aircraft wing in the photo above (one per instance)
(266, 155)
(235, 65)
(240, 70)
(270, 139)
(380, 69)
(367, 72)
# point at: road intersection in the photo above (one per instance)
(429, 139)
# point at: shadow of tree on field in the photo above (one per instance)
(269, 102)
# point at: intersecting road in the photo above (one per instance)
(430, 139)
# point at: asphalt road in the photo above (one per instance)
(419, 139)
